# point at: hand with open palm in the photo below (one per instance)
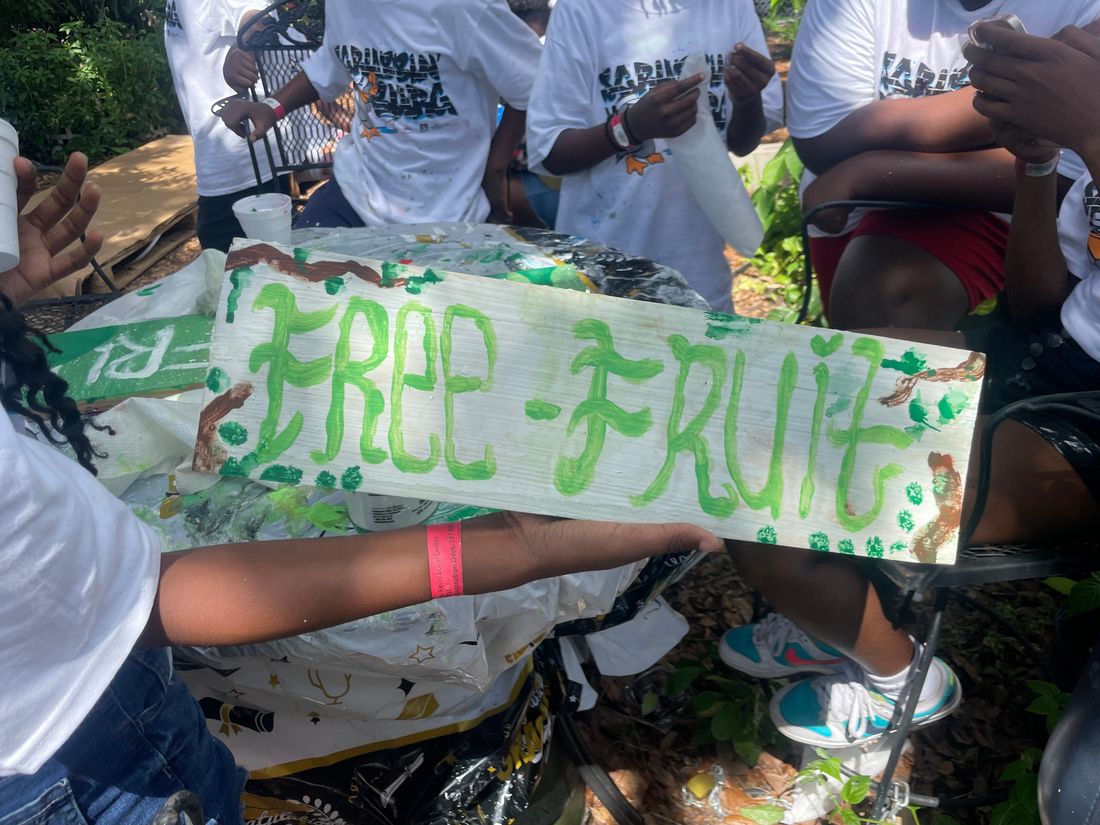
(47, 231)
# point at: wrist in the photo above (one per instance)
(278, 108)
(1040, 169)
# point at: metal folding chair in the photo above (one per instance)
(306, 138)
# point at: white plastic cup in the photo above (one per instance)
(9, 210)
(265, 217)
(373, 512)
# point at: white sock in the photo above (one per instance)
(892, 686)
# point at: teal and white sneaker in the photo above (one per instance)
(775, 648)
(841, 710)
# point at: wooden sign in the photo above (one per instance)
(394, 379)
(151, 358)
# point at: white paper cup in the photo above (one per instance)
(373, 512)
(9, 212)
(265, 217)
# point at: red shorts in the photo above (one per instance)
(970, 244)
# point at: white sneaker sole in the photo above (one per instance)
(807, 737)
(763, 670)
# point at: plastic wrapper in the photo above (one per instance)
(705, 162)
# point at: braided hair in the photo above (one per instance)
(37, 392)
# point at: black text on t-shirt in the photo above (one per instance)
(621, 85)
(398, 84)
(898, 78)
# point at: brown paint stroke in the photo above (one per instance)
(947, 489)
(972, 369)
(206, 443)
(314, 272)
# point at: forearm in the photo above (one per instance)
(578, 149)
(941, 123)
(254, 592)
(509, 133)
(1036, 280)
(746, 126)
(297, 93)
(982, 180)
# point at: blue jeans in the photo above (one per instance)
(327, 206)
(145, 739)
(543, 199)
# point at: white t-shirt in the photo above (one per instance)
(197, 37)
(428, 75)
(852, 52)
(78, 573)
(1079, 235)
(601, 55)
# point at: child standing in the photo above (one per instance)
(609, 91)
(198, 35)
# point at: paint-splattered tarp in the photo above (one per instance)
(340, 726)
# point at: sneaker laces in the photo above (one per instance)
(775, 631)
(848, 702)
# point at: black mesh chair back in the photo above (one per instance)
(306, 138)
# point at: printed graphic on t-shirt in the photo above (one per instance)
(906, 77)
(391, 86)
(624, 85)
(1091, 203)
(173, 27)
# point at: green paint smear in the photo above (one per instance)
(874, 548)
(766, 535)
(541, 410)
(819, 542)
(720, 325)
(560, 277)
(905, 521)
(918, 413)
(326, 479)
(300, 257)
(243, 468)
(414, 284)
(233, 433)
(910, 363)
(333, 285)
(391, 273)
(916, 431)
(573, 476)
(281, 472)
(952, 404)
(403, 460)
(326, 516)
(217, 380)
(806, 493)
(915, 493)
(898, 547)
(823, 348)
(846, 547)
(351, 479)
(453, 385)
(149, 290)
(240, 279)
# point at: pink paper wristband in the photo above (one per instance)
(445, 559)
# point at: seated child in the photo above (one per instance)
(878, 105)
(609, 90)
(832, 621)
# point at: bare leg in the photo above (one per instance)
(886, 282)
(1035, 496)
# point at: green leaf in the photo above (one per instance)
(849, 817)
(855, 790)
(749, 751)
(1060, 583)
(724, 723)
(1044, 706)
(830, 767)
(681, 678)
(1031, 757)
(705, 703)
(1043, 688)
(764, 814)
(1013, 772)
(702, 734)
(1026, 793)
(649, 703)
(1084, 597)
